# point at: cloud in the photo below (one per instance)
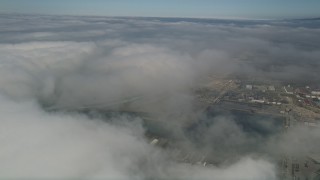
(37, 144)
(53, 67)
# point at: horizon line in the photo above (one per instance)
(168, 17)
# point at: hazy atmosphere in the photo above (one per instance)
(98, 97)
(231, 9)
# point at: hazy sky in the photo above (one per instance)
(255, 9)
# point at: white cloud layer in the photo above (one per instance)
(141, 65)
(37, 144)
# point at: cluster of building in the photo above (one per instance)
(263, 94)
(307, 168)
(306, 95)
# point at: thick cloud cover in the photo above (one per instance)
(150, 65)
(37, 144)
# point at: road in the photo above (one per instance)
(223, 92)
